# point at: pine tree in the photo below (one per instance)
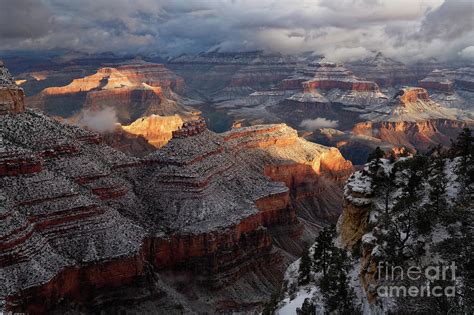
(304, 272)
(463, 146)
(374, 167)
(463, 149)
(338, 295)
(308, 308)
(377, 154)
(438, 185)
(322, 249)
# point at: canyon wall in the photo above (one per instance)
(82, 220)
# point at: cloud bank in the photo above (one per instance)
(342, 30)
(313, 124)
(100, 121)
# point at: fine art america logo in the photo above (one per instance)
(426, 281)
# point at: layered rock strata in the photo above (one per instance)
(437, 80)
(131, 90)
(412, 119)
(225, 76)
(80, 219)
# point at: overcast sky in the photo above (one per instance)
(340, 29)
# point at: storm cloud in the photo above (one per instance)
(342, 30)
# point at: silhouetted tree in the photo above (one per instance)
(308, 308)
(377, 154)
(337, 293)
(304, 272)
(323, 248)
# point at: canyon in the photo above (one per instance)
(84, 223)
(308, 92)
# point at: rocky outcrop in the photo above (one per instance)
(190, 128)
(158, 130)
(11, 96)
(357, 203)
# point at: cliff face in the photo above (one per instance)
(158, 130)
(11, 96)
(81, 220)
(386, 205)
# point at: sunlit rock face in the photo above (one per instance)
(412, 119)
(383, 70)
(158, 130)
(11, 96)
(81, 220)
(35, 81)
(131, 90)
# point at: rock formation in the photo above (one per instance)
(383, 70)
(81, 220)
(328, 76)
(222, 76)
(413, 120)
(11, 96)
(437, 80)
(158, 130)
(132, 90)
(327, 90)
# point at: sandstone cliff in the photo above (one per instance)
(158, 130)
